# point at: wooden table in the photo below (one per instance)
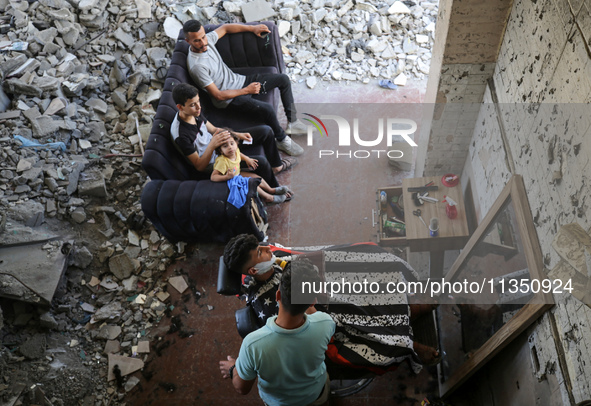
(453, 234)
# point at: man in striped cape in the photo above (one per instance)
(373, 331)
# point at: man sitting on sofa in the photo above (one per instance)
(233, 91)
(196, 138)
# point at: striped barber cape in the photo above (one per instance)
(373, 330)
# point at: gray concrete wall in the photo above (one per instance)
(544, 58)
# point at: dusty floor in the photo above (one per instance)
(183, 365)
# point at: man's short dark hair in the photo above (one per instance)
(237, 251)
(183, 92)
(296, 272)
(191, 26)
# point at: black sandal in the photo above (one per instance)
(287, 164)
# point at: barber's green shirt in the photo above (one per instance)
(289, 363)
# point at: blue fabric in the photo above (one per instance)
(238, 190)
(289, 363)
(34, 144)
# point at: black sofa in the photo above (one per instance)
(181, 203)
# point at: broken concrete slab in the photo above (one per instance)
(143, 347)
(127, 365)
(112, 347)
(124, 37)
(93, 281)
(47, 321)
(55, 106)
(74, 176)
(8, 115)
(78, 215)
(162, 296)
(80, 257)
(87, 307)
(31, 273)
(172, 27)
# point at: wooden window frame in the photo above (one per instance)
(513, 192)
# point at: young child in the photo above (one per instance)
(227, 165)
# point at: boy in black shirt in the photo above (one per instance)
(197, 139)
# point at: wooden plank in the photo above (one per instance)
(514, 193)
(527, 315)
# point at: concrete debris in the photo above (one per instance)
(112, 347)
(172, 27)
(131, 383)
(80, 257)
(257, 10)
(400, 80)
(34, 347)
(111, 311)
(126, 365)
(108, 332)
(121, 266)
(143, 347)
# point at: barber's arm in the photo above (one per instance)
(243, 387)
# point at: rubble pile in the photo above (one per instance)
(95, 323)
(80, 82)
(358, 41)
(338, 40)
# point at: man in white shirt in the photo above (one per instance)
(233, 91)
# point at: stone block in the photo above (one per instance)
(257, 10)
(121, 266)
(92, 183)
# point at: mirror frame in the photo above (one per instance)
(513, 191)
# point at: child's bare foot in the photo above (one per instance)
(427, 355)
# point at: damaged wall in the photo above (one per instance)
(544, 58)
(468, 37)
